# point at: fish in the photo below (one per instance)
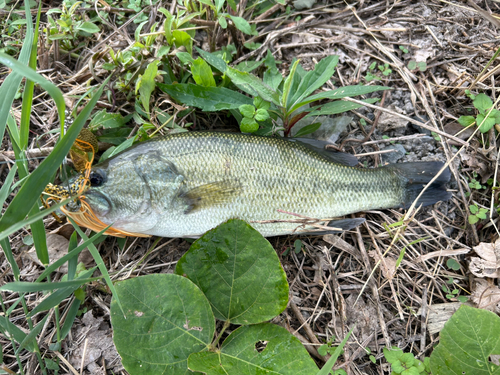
(184, 184)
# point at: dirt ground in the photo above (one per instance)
(336, 280)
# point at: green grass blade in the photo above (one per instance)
(28, 194)
(70, 318)
(5, 190)
(29, 86)
(9, 87)
(14, 331)
(100, 263)
(5, 245)
(59, 295)
(73, 254)
(73, 262)
(30, 337)
(30, 220)
(39, 237)
(27, 287)
(325, 370)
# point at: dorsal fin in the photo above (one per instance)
(320, 147)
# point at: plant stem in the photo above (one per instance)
(213, 346)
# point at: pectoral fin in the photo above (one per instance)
(212, 194)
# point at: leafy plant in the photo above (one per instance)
(466, 343)
(70, 25)
(405, 363)
(420, 65)
(487, 116)
(451, 291)
(477, 214)
(371, 74)
(288, 98)
(231, 274)
(404, 49)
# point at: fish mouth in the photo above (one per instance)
(98, 202)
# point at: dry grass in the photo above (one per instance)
(337, 280)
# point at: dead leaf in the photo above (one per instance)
(388, 121)
(387, 264)
(439, 314)
(478, 163)
(57, 247)
(99, 344)
(488, 263)
(486, 295)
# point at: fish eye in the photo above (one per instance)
(97, 178)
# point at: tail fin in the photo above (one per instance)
(416, 175)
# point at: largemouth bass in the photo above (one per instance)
(185, 184)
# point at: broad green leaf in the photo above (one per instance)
(182, 38)
(222, 21)
(261, 115)
(288, 84)
(466, 120)
(206, 98)
(467, 341)
(482, 102)
(242, 25)
(247, 110)
(88, 27)
(257, 349)
(273, 78)
(202, 74)
(105, 120)
(248, 66)
(248, 125)
(213, 60)
(219, 4)
(308, 129)
(252, 85)
(339, 93)
(338, 106)
(166, 319)
(210, 3)
(239, 272)
(185, 57)
(485, 124)
(147, 84)
(316, 78)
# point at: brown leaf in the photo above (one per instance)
(387, 264)
(486, 295)
(488, 263)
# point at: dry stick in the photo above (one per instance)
(376, 296)
(409, 119)
(423, 320)
(374, 125)
(391, 284)
(493, 193)
(65, 361)
(310, 334)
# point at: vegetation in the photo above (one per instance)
(122, 101)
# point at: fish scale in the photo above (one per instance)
(184, 184)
